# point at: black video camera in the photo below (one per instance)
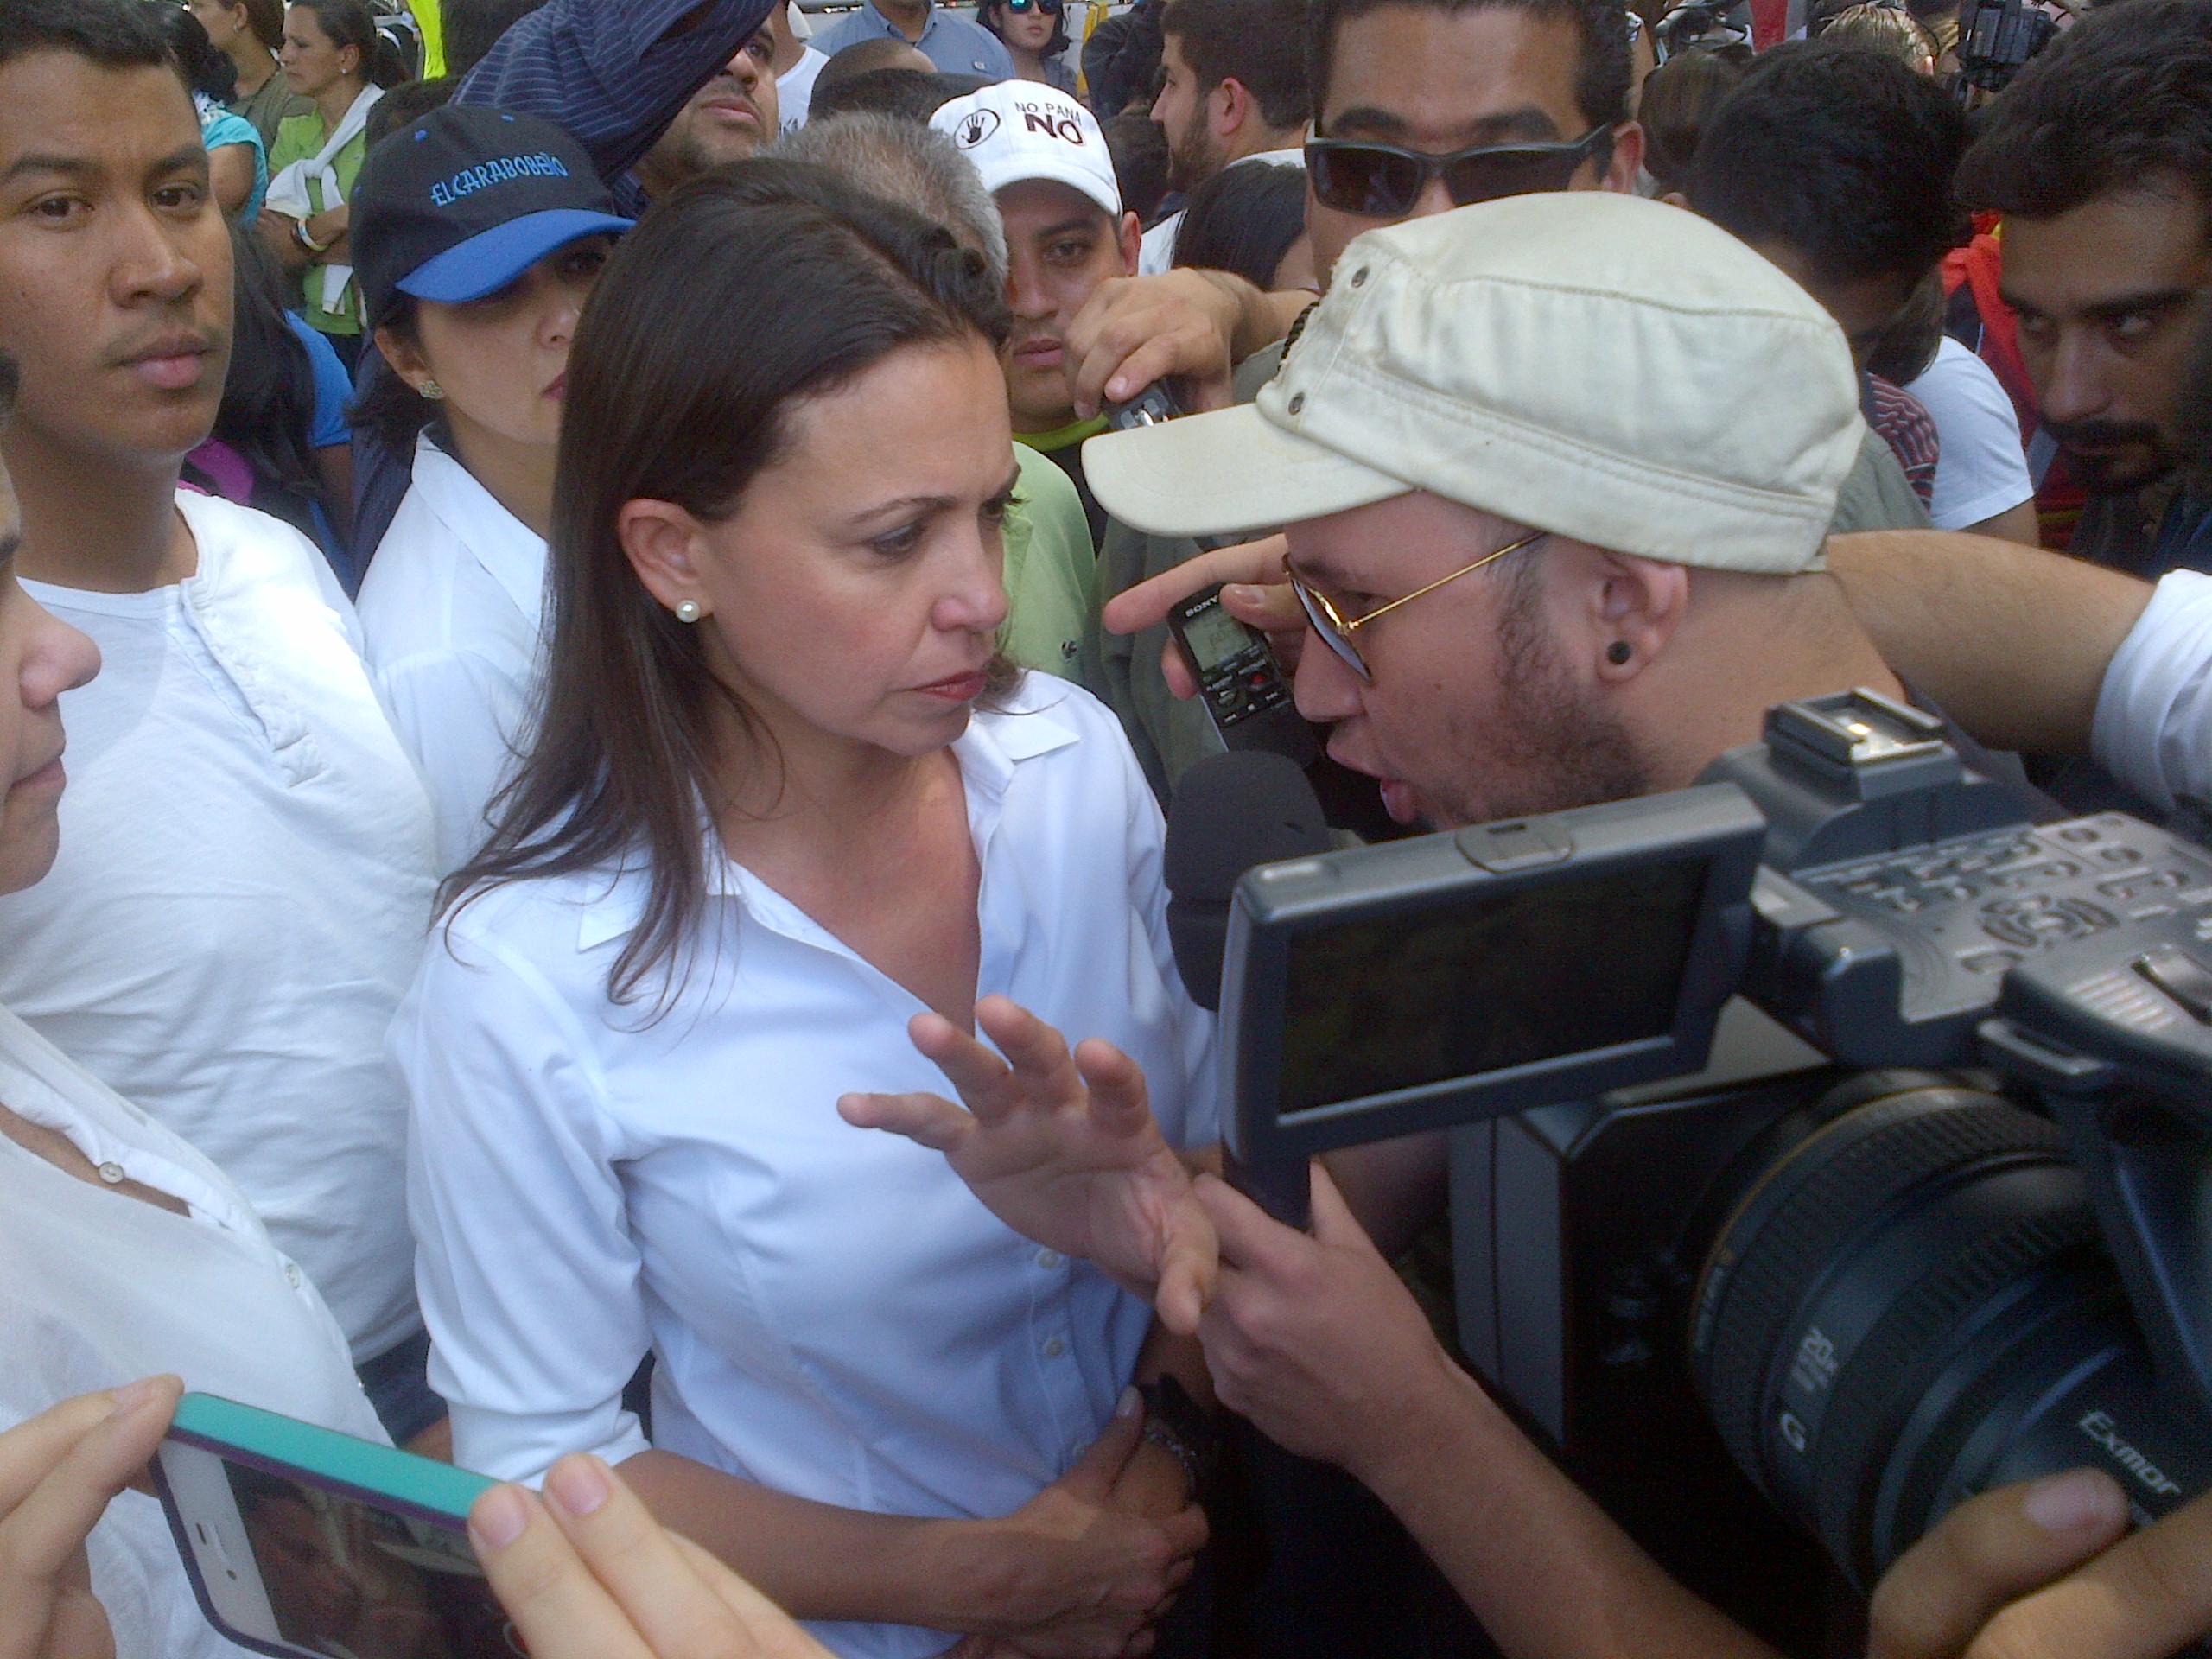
(1887, 1289)
(1998, 40)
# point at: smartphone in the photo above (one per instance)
(1239, 681)
(302, 1541)
(1154, 406)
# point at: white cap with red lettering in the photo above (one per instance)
(1018, 130)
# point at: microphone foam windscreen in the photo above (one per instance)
(1230, 811)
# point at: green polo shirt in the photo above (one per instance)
(1050, 568)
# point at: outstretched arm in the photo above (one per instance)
(2010, 641)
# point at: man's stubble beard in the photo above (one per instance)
(1194, 160)
(1553, 749)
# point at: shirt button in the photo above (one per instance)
(292, 1275)
(1048, 1258)
(1054, 1347)
(112, 1173)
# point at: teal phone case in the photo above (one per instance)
(285, 1445)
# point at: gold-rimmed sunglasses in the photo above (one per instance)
(1336, 631)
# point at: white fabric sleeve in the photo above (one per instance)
(1156, 248)
(453, 713)
(2153, 727)
(1982, 467)
(527, 1274)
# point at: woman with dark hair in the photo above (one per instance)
(1681, 97)
(249, 33)
(334, 56)
(1035, 34)
(238, 163)
(280, 442)
(783, 796)
(1250, 218)
(475, 301)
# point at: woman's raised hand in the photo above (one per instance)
(1062, 1147)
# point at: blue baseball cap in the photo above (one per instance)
(464, 201)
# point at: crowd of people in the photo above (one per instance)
(612, 651)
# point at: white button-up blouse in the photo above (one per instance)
(835, 1315)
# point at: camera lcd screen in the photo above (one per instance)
(1493, 981)
(1214, 636)
(344, 1579)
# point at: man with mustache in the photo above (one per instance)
(727, 119)
(247, 871)
(2097, 157)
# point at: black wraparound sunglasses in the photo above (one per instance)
(1383, 181)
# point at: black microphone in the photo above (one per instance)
(1230, 813)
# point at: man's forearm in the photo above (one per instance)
(1535, 1561)
(2010, 641)
(1261, 318)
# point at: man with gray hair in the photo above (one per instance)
(915, 166)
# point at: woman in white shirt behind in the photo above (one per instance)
(785, 796)
(479, 235)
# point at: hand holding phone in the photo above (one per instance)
(1239, 681)
(58, 1473)
(586, 1572)
(301, 1541)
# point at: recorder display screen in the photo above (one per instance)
(1214, 636)
(1489, 982)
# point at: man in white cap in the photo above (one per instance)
(1558, 471)
(1044, 160)
(1657, 424)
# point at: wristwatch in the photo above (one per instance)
(1180, 1426)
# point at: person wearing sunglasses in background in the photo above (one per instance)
(1034, 34)
(951, 41)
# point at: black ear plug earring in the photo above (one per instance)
(1619, 653)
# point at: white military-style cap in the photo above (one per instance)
(1018, 130)
(1605, 368)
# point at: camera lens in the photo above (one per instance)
(1909, 1304)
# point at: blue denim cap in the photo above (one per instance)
(464, 201)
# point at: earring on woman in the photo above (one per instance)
(432, 390)
(689, 610)
(1619, 653)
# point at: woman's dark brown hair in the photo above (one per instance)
(748, 290)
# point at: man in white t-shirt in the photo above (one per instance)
(246, 876)
(1982, 481)
(1233, 89)
(798, 66)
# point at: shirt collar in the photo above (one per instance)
(511, 551)
(990, 752)
(1061, 436)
